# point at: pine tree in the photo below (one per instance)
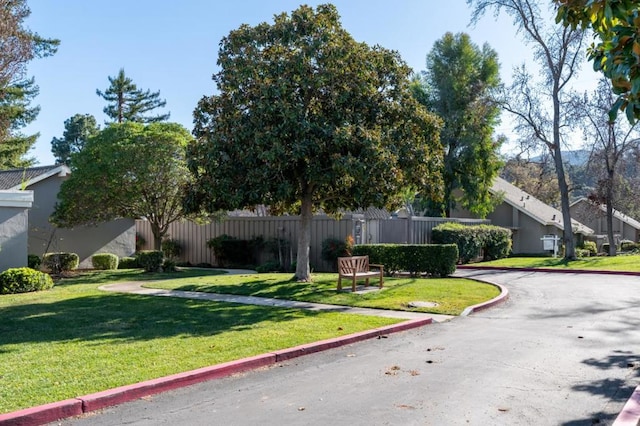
(77, 130)
(128, 103)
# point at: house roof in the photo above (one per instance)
(19, 178)
(534, 208)
(617, 214)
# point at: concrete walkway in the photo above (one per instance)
(136, 287)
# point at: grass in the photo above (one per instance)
(74, 339)
(630, 263)
(452, 294)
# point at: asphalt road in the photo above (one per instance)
(563, 350)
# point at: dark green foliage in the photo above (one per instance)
(77, 130)
(472, 241)
(128, 103)
(128, 263)
(169, 265)
(104, 261)
(33, 261)
(150, 260)
(438, 260)
(23, 280)
(627, 245)
(271, 266)
(231, 251)
(172, 249)
(60, 262)
(333, 248)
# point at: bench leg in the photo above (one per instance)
(381, 278)
(367, 282)
(339, 283)
(353, 285)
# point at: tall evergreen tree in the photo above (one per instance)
(457, 86)
(19, 45)
(128, 103)
(77, 130)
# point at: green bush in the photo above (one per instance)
(627, 245)
(104, 261)
(23, 280)
(333, 248)
(150, 260)
(591, 247)
(492, 242)
(231, 251)
(171, 248)
(33, 261)
(437, 260)
(271, 266)
(128, 263)
(60, 262)
(169, 265)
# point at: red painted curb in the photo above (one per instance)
(122, 394)
(630, 414)
(407, 325)
(502, 297)
(562, 271)
(43, 413)
(323, 345)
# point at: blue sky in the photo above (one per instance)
(172, 47)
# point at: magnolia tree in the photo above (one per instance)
(307, 118)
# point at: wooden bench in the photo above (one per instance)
(357, 267)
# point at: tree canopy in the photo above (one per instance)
(127, 170)
(77, 130)
(19, 45)
(458, 86)
(307, 118)
(615, 52)
(128, 103)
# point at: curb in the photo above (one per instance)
(502, 297)
(83, 404)
(630, 414)
(562, 271)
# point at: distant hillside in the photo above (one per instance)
(579, 157)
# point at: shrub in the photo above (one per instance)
(60, 262)
(627, 245)
(333, 248)
(591, 247)
(231, 251)
(494, 241)
(104, 261)
(432, 259)
(140, 241)
(169, 265)
(171, 248)
(33, 261)
(580, 252)
(128, 263)
(271, 266)
(23, 280)
(150, 260)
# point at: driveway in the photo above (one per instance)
(563, 350)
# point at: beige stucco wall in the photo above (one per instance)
(117, 237)
(596, 219)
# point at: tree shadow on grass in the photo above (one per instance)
(130, 317)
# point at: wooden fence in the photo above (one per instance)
(193, 237)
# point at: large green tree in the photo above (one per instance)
(616, 50)
(458, 86)
(77, 130)
(542, 108)
(128, 170)
(128, 103)
(307, 118)
(18, 46)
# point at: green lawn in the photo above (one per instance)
(452, 294)
(625, 262)
(74, 339)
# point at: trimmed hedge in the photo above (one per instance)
(33, 261)
(150, 260)
(437, 260)
(490, 241)
(128, 263)
(24, 280)
(60, 262)
(104, 261)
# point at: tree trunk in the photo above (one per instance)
(612, 241)
(567, 234)
(303, 271)
(157, 236)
